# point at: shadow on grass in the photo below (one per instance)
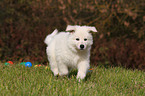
(73, 74)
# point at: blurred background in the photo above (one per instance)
(120, 40)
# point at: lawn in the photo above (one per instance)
(17, 80)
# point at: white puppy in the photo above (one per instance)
(67, 50)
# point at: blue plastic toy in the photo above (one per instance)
(28, 64)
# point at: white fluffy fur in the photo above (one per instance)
(67, 50)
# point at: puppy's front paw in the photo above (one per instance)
(81, 75)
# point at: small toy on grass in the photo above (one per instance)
(46, 68)
(28, 64)
(9, 63)
(22, 63)
(37, 65)
(90, 70)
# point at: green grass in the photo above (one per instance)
(18, 80)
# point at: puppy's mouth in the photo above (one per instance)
(82, 49)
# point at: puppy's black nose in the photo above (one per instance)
(82, 46)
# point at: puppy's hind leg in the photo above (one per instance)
(54, 68)
(52, 63)
(63, 69)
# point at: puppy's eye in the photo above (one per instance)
(85, 39)
(77, 39)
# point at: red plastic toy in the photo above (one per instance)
(10, 62)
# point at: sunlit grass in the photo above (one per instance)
(18, 80)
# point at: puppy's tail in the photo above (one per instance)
(50, 37)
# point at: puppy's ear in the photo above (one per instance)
(92, 29)
(70, 28)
